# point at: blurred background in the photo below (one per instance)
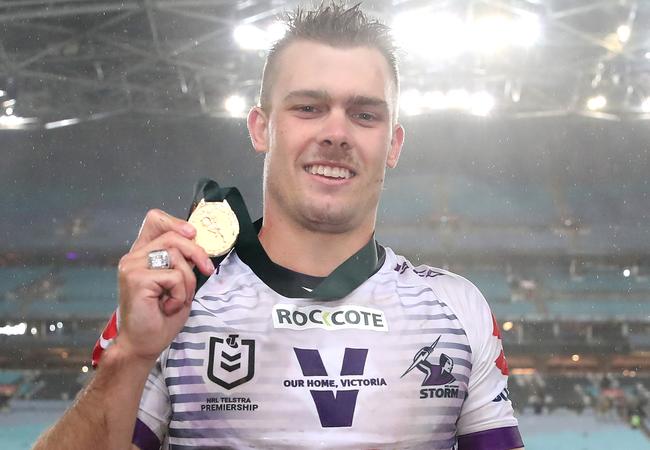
(525, 169)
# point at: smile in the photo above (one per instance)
(329, 171)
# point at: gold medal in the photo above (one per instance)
(216, 226)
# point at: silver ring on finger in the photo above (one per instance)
(159, 259)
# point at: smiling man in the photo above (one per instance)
(305, 336)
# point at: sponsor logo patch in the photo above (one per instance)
(232, 361)
(347, 317)
(434, 374)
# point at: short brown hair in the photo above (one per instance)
(334, 25)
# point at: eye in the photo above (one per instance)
(366, 116)
(305, 108)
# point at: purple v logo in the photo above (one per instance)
(334, 409)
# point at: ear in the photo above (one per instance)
(258, 126)
(396, 143)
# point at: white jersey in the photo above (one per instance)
(411, 359)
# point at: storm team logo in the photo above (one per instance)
(434, 374)
(232, 361)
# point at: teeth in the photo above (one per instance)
(328, 171)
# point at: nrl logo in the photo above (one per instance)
(232, 361)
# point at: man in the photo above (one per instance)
(301, 339)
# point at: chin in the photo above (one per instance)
(328, 221)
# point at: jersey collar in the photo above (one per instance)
(288, 283)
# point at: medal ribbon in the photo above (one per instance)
(343, 280)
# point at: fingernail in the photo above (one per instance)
(209, 265)
(188, 229)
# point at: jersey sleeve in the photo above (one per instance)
(487, 419)
(154, 413)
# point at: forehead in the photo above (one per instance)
(339, 71)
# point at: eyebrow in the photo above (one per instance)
(357, 100)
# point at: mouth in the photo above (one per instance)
(331, 172)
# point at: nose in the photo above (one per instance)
(335, 133)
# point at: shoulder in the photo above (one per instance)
(458, 293)
(450, 287)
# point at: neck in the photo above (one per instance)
(310, 252)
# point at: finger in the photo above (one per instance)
(188, 249)
(179, 263)
(173, 292)
(157, 223)
(146, 285)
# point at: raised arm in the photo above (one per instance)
(154, 305)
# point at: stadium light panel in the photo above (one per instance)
(458, 99)
(276, 31)
(434, 36)
(250, 37)
(13, 330)
(235, 105)
(526, 31)
(481, 103)
(645, 105)
(411, 102)
(61, 123)
(490, 34)
(12, 122)
(435, 100)
(623, 32)
(52, 327)
(596, 103)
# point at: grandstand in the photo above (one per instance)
(543, 203)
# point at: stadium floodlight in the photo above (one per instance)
(481, 103)
(526, 31)
(596, 103)
(276, 31)
(84, 369)
(61, 123)
(13, 330)
(458, 99)
(627, 273)
(12, 122)
(507, 326)
(9, 111)
(52, 327)
(434, 36)
(411, 102)
(645, 105)
(250, 37)
(34, 331)
(490, 34)
(575, 358)
(235, 105)
(623, 32)
(435, 100)
(59, 325)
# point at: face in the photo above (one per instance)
(328, 137)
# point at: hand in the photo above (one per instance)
(155, 303)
